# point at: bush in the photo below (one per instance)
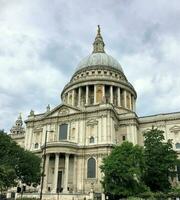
(146, 195)
(160, 196)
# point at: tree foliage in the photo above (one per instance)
(130, 170)
(17, 164)
(123, 170)
(160, 160)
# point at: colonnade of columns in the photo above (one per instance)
(94, 94)
(64, 184)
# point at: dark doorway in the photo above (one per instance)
(59, 183)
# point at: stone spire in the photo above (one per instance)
(19, 121)
(18, 127)
(98, 45)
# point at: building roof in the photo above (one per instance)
(99, 59)
(99, 56)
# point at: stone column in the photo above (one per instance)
(68, 98)
(130, 102)
(56, 168)
(73, 97)
(103, 196)
(125, 98)
(119, 96)
(111, 94)
(79, 97)
(75, 174)
(46, 173)
(66, 173)
(103, 93)
(134, 104)
(94, 94)
(87, 94)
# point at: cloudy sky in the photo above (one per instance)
(42, 41)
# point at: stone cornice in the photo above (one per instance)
(123, 119)
(70, 116)
(17, 136)
(74, 148)
(159, 117)
(96, 67)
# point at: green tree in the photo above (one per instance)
(7, 177)
(123, 170)
(160, 160)
(17, 164)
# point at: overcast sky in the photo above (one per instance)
(42, 41)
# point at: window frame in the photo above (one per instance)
(93, 175)
(59, 132)
(91, 140)
(177, 145)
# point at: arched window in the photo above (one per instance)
(63, 128)
(177, 145)
(91, 140)
(36, 146)
(91, 168)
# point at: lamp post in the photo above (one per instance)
(44, 161)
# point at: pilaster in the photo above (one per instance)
(125, 98)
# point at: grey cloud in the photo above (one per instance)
(43, 41)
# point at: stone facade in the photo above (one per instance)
(98, 111)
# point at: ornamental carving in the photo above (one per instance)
(175, 129)
(92, 122)
(64, 111)
(116, 127)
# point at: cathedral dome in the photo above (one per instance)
(99, 79)
(99, 59)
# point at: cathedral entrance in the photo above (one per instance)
(59, 183)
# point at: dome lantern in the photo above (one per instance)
(98, 45)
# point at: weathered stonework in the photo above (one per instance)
(99, 109)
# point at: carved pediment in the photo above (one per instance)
(175, 129)
(62, 110)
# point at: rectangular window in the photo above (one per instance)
(63, 128)
(123, 137)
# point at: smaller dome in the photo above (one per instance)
(99, 59)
